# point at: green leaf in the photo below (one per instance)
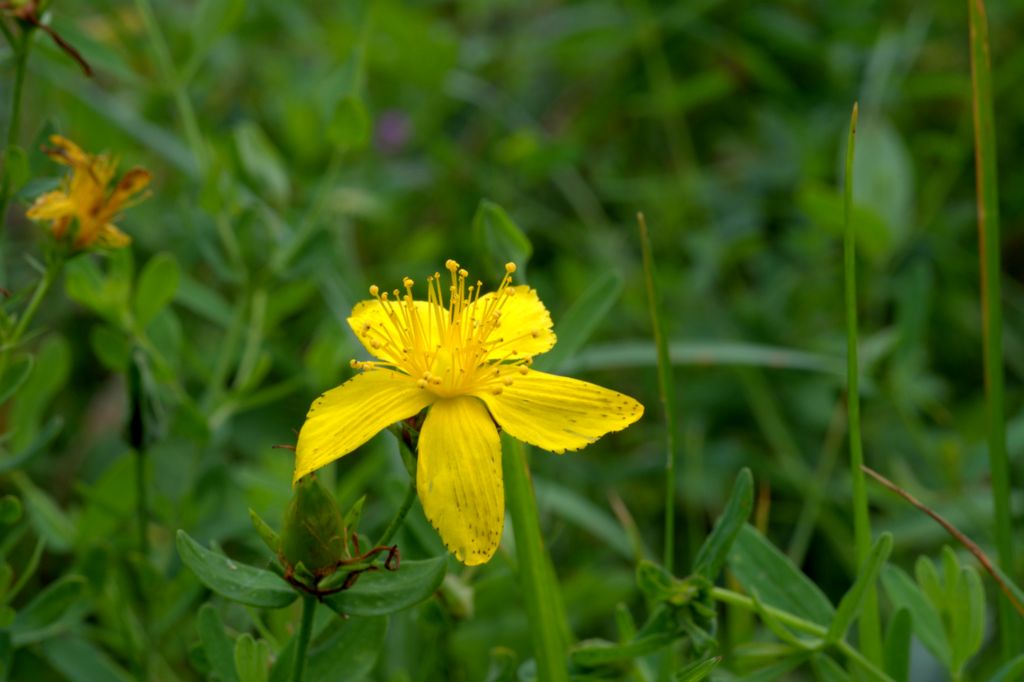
(16, 168)
(79, 660)
(218, 646)
(780, 629)
(111, 346)
(48, 520)
(251, 659)
(234, 580)
(580, 321)
(213, 19)
(1011, 672)
(827, 670)
(381, 592)
(261, 162)
(350, 124)
(758, 565)
(594, 652)
(896, 647)
(345, 651)
(31, 405)
(49, 611)
(929, 582)
(498, 237)
(776, 671)
(575, 508)
(904, 594)
(107, 293)
(16, 375)
(10, 511)
(267, 534)
(203, 301)
(968, 616)
(38, 445)
(353, 516)
(715, 550)
(697, 671)
(157, 286)
(851, 603)
(632, 354)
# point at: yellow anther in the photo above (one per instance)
(463, 273)
(355, 364)
(535, 333)
(374, 290)
(509, 292)
(497, 391)
(422, 383)
(451, 265)
(407, 282)
(384, 296)
(523, 369)
(507, 381)
(510, 268)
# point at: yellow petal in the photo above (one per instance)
(67, 152)
(381, 327)
(345, 417)
(131, 183)
(524, 325)
(558, 413)
(458, 478)
(112, 238)
(55, 204)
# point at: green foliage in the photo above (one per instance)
(233, 580)
(302, 151)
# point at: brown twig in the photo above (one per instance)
(29, 13)
(952, 530)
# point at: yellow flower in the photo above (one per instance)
(85, 200)
(469, 362)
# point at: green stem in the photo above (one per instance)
(544, 610)
(666, 392)
(991, 302)
(14, 123)
(396, 522)
(53, 269)
(800, 625)
(869, 623)
(171, 76)
(302, 643)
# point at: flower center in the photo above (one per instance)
(450, 347)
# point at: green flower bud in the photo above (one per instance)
(314, 533)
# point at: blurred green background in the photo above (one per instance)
(302, 151)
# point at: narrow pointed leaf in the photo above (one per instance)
(218, 646)
(896, 647)
(580, 321)
(715, 550)
(16, 375)
(851, 603)
(904, 593)
(697, 671)
(232, 579)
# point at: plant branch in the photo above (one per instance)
(968, 544)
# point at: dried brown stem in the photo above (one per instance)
(952, 530)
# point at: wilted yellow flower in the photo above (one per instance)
(83, 208)
(468, 360)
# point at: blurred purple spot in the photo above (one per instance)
(393, 129)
